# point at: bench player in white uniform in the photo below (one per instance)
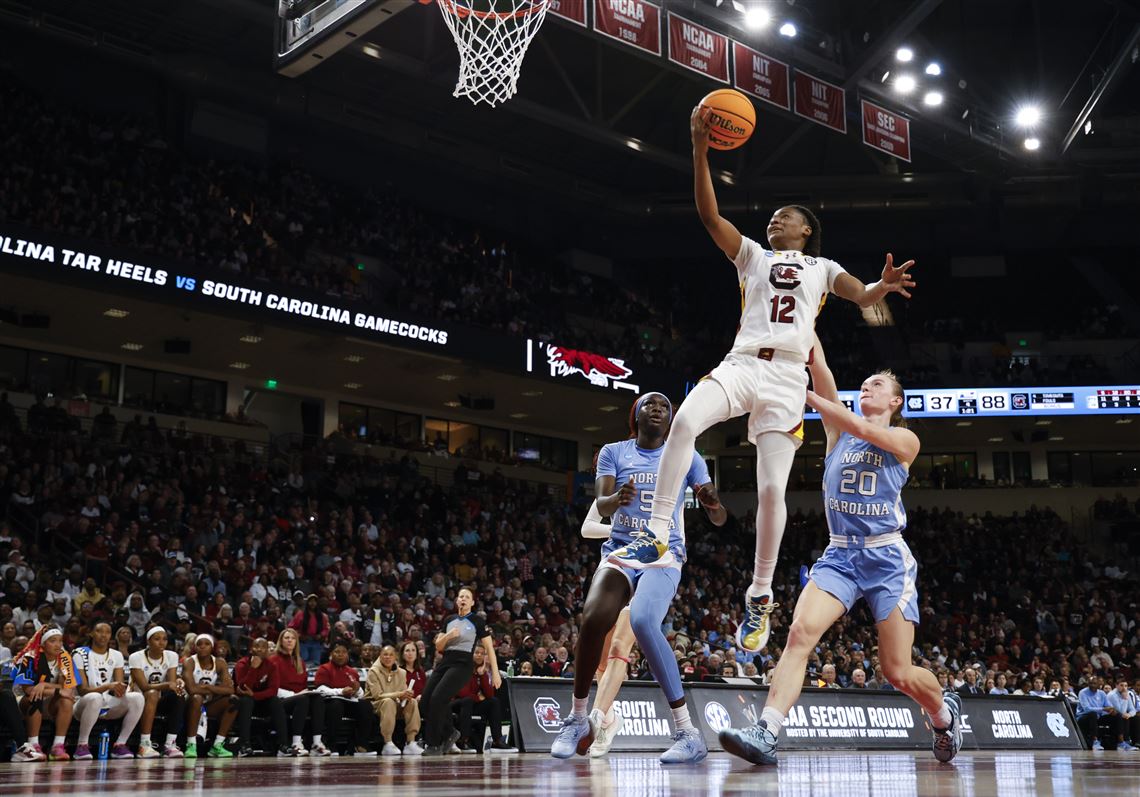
(155, 675)
(865, 468)
(782, 289)
(104, 692)
(210, 687)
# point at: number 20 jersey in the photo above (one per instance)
(862, 489)
(781, 293)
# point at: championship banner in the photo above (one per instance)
(572, 10)
(823, 719)
(886, 131)
(820, 102)
(634, 22)
(697, 48)
(761, 76)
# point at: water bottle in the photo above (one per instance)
(511, 669)
(104, 751)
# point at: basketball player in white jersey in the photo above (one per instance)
(155, 675)
(103, 692)
(782, 289)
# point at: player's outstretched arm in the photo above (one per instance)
(895, 279)
(723, 232)
(823, 383)
(903, 443)
(592, 527)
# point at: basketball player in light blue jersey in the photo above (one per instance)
(865, 469)
(633, 464)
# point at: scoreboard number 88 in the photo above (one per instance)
(993, 402)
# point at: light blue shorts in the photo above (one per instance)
(885, 576)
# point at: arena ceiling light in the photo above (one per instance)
(452, 403)
(354, 358)
(447, 377)
(933, 69)
(756, 18)
(995, 439)
(250, 339)
(114, 312)
(519, 415)
(608, 408)
(886, 75)
(932, 98)
(371, 50)
(905, 84)
(131, 346)
(1124, 420)
(353, 385)
(964, 423)
(1027, 116)
(1032, 143)
(239, 366)
(904, 55)
(532, 393)
(591, 428)
(788, 29)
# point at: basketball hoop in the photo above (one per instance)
(492, 37)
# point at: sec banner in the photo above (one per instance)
(761, 76)
(634, 22)
(697, 48)
(820, 101)
(572, 10)
(886, 131)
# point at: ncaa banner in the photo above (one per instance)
(697, 48)
(633, 22)
(571, 10)
(886, 130)
(822, 719)
(820, 102)
(761, 76)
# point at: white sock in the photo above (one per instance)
(144, 740)
(316, 739)
(57, 740)
(297, 742)
(943, 718)
(774, 720)
(610, 718)
(759, 586)
(681, 719)
(580, 705)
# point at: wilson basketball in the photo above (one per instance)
(732, 118)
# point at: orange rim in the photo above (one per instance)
(527, 8)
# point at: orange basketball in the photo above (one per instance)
(731, 119)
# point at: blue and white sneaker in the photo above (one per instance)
(645, 551)
(755, 744)
(688, 748)
(948, 741)
(574, 731)
(1126, 746)
(1097, 746)
(753, 633)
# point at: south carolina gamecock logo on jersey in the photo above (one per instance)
(785, 275)
(549, 714)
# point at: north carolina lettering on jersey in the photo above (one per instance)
(855, 508)
(863, 457)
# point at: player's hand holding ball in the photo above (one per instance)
(699, 128)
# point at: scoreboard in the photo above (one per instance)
(1027, 402)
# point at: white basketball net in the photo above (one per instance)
(491, 44)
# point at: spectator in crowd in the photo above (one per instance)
(339, 685)
(970, 685)
(1127, 724)
(301, 704)
(1092, 705)
(478, 695)
(858, 679)
(313, 627)
(413, 667)
(155, 674)
(390, 694)
(256, 682)
(211, 696)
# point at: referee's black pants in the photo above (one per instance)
(453, 672)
